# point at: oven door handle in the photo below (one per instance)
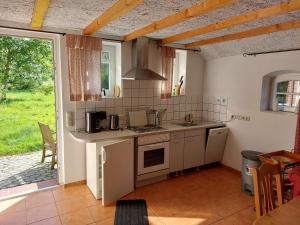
(162, 144)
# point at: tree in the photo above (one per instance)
(25, 63)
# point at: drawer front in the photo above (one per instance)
(194, 132)
(177, 135)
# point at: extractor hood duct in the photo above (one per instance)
(140, 70)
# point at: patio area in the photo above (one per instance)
(24, 169)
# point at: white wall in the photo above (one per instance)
(74, 151)
(240, 79)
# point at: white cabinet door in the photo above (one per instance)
(194, 151)
(176, 155)
(117, 170)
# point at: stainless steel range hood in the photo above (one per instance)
(140, 69)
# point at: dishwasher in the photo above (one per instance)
(215, 144)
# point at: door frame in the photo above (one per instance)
(55, 38)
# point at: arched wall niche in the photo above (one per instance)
(269, 86)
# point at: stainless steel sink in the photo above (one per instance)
(186, 124)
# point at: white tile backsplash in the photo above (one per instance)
(145, 94)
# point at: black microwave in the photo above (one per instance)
(95, 121)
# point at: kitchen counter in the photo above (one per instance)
(121, 134)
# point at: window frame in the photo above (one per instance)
(290, 107)
(279, 79)
(112, 67)
(180, 58)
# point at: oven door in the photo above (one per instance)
(153, 157)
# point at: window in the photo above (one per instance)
(105, 71)
(287, 95)
(280, 91)
(110, 67)
(179, 73)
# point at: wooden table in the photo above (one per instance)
(288, 214)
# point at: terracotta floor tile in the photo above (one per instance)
(243, 217)
(41, 212)
(51, 221)
(101, 213)
(73, 204)
(80, 217)
(207, 196)
(38, 199)
(17, 218)
(61, 194)
(13, 205)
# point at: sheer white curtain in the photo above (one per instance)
(84, 60)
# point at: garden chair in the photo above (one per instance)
(48, 144)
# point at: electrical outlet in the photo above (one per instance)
(240, 117)
(218, 100)
(224, 101)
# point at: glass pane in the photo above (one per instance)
(105, 76)
(297, 86)
(283, 101)
(295, 100)
(154, 157)
(105, 56)
(285, 86)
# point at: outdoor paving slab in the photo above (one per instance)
(23, 169)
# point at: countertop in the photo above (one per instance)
(121, 134)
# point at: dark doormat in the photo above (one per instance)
(131, 212)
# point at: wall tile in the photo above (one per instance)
(109, 102)
(216, 116)
(127, 84)
(223, 109)
(149, 93)
(126, 101)
(126, 93)
(176, 115)
(80, 114)
(118, 102)
(80, 105)
(176, 108)
(216, 108)
(176, 100)
(135, 93)
(134, 102)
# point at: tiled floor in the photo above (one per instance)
(209, 196)
(27, 188)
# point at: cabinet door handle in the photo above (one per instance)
(104, 156)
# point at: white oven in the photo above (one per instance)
(153, 153)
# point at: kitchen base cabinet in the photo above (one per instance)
(176, 155)
(194, 148)
(193, 151)
(187, 149)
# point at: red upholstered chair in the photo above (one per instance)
(294, 176)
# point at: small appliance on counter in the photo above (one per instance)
(95, 121)
(114, 122)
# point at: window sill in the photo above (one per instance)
(279, 112)
(111, 97)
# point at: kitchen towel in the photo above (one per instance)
(131, 212)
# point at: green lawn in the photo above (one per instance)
(19, 131)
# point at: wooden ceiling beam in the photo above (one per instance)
(119, 8)
(194, 11)
(237, 20)
(39, 12)
(246, 34)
